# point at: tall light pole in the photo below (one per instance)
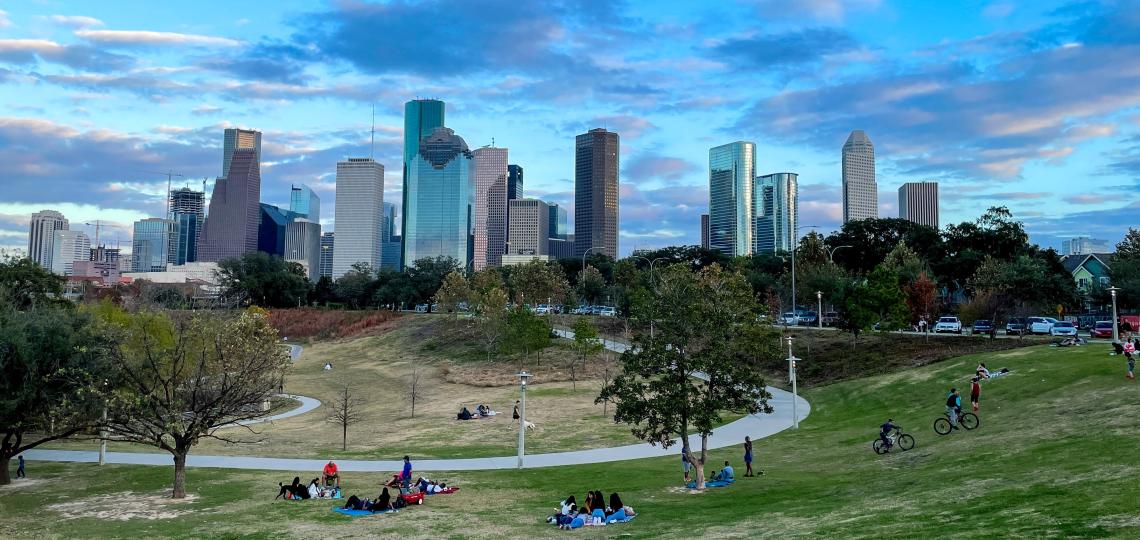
(792, 376)
(819, 312)
(523, 376)
(1115, 321)
(651, 282)
(831, 252)
(795, 244)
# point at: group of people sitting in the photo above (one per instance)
(382, 503)
(315, 490)
(482, 411)
(594, 511)
(430, 486)
(724, 475)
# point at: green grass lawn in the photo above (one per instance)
(1053, 457)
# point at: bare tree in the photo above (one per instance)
(415, 388)
(607, 378)
(180, 381)
(345, 410)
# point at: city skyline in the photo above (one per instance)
(127, 104)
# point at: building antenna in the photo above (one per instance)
(372, 144)
(492, 142)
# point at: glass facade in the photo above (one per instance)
(596, 166)
(328, 242)
(440, 195)
(421, 117)
(732, 173)
(390, 250)
(150, 244)
(775, 212)
(557, 229)
(514, 182)
(305, 203)
(185, 246)
(271, 229)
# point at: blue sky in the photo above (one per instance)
(1034, 105)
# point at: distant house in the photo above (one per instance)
(1088, 271)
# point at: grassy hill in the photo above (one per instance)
(1054, 457)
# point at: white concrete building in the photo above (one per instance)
(529, 228)
(41, 235)
(860, 191)
(303, 245)
(918, 202)
(359, 210)
(68, 247)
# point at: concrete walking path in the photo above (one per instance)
(756, 426)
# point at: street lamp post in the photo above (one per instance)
(792, 376)
(1115, 321)
(523, 376)
(819, 312)
(651, 282)
(795, 244)
(831, 252)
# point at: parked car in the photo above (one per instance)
(1016, 326)
(982, 326)
(608, 311)
(808, 318)
(948, 324)
(830, 318)
(790, 318)
(1040, 325)
(1063, 328)
(1102, 329)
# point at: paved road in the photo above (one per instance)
(307, 404)
(756, 426)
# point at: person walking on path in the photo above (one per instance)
(975, 393)
(20, 467)
(748, 456)
(1130, 355)
(515, 415)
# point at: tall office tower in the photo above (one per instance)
(918, 202)
(421, 117)
(188, 210)
(239, 139)
(596, 192)
(775, 212)
(150, 246)
(514, 182)
(1084, 245)
(305, 203)
(231, 226)
(359, 209)
(328, 245)
(557, 228)
(68, 247)
(390, 247)
(438, 220)
(303, 245)
(41, 235)
(271, 225)
(490, 206)
(860, 192)
(705, 231)
(732, 173)
(529, 230)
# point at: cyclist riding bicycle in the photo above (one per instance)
(953, 407)
(885, 430)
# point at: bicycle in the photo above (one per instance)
(967, 420)
(895, 438)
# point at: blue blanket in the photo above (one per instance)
(357, 513)
(711, 484)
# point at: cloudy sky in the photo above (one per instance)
(1035, 105)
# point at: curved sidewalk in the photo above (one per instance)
(756, 426)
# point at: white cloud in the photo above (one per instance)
(40, 46)
(74, 21)
(147, 37)
(5, 22)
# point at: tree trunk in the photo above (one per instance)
(179, 491)
(5, 476)
(344, 436)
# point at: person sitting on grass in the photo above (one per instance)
(315, 490)
(618, 511)
(330, 474)
(464, 414)
(598, 509)
(296, 490)
(725, 474)
(982, 371)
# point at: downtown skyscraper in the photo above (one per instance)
(860, 192)
(41, 236)
(732, 176)
(439, 195)
(231, 226)
(918, 202)
(421, 117)
(188, 210)
(305, 203)
(596, 192)
(490, 206)
(775, 212)
(359, 211)
(236, 139)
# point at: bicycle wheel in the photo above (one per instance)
(969, 420)
(942, 426)
(878, 447)
(906, 442)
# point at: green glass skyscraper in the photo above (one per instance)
(440, 187)
(421, 117)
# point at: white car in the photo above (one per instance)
(948, 324)
(608, 311)
(1041, 325)
(1063, 328)
(790, 318)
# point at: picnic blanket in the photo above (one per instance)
(711, 484)
(357, 513)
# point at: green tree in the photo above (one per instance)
(184, 380)
(536, 282)
(266, 280)
(452, 293)
(586, 344)
(25, 284)
(868, 241)
(702, 318)
(426, 275)
(591, 286)
(877, 300)
(490, 307)
(526, 333)
(355, 286)
(324, 293)
(1129, 247)
(53, 370)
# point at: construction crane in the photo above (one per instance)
(169, 176)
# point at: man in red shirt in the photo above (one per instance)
(975, 393)
(330, 473)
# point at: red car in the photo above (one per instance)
(1102, 329)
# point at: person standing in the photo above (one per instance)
(406, 475)
(975, 393)
(1130, 355)
(515, 415)
(748, 456)
(20, 467)
(685, 465)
